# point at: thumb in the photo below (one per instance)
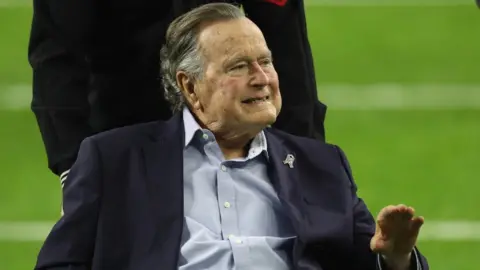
(417, 224)
(376, 243)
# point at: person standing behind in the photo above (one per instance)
(96, 67)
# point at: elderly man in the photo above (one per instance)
(213, 187)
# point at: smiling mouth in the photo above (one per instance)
(256, 100)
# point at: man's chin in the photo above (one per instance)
(259, 119)
(263, 121)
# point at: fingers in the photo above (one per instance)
(417, 222)
(398, 216)
(386, 212)
(397, 229)
(404, 213)
(398, 209)
(397, 212)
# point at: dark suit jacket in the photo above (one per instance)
(124, 203)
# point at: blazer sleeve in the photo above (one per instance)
(70, 244)
(364, 229)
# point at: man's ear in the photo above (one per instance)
(187, 86)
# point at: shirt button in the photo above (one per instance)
(205, 136)
(223, 168)
(226, 205)
(230, 236)
(238, 241)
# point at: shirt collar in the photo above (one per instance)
(258, 145)
(191, 125)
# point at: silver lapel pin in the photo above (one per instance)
(289, 160)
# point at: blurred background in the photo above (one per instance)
(402, 82)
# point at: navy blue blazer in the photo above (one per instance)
(123, 203)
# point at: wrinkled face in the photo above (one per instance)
(239, 89)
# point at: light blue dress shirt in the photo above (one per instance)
(233, 217)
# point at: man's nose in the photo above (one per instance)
(259, 77)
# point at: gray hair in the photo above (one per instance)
(181, 51)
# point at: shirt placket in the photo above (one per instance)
(229, 211)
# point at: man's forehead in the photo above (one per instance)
(231, 36)
(224, 28)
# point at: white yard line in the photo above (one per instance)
(400, 97)
(15, 97)
(385, 96)
(24, 231)
(440, 230)
(15, 3)
(451, 231)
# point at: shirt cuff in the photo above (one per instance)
(415, 262)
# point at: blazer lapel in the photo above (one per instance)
(313, 222)
(285, 181)
(284, 178)
(164, 173)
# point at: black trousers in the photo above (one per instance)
(96, 67)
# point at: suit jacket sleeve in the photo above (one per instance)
(60, 36)
(70, 244)
(364, 229)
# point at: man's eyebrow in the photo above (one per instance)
(266, 54)
(235, 59)
(240, 58)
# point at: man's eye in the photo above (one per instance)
(241, 66)
(266, 61)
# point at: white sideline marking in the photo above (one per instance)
(450, 231)
(15, 97)
(346, 3)
(386, 96)
(24, 231)
(442, 231)
(400, 97)
(15, 3)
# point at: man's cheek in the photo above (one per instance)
(228, 97)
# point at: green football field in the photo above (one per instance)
(403, 86)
